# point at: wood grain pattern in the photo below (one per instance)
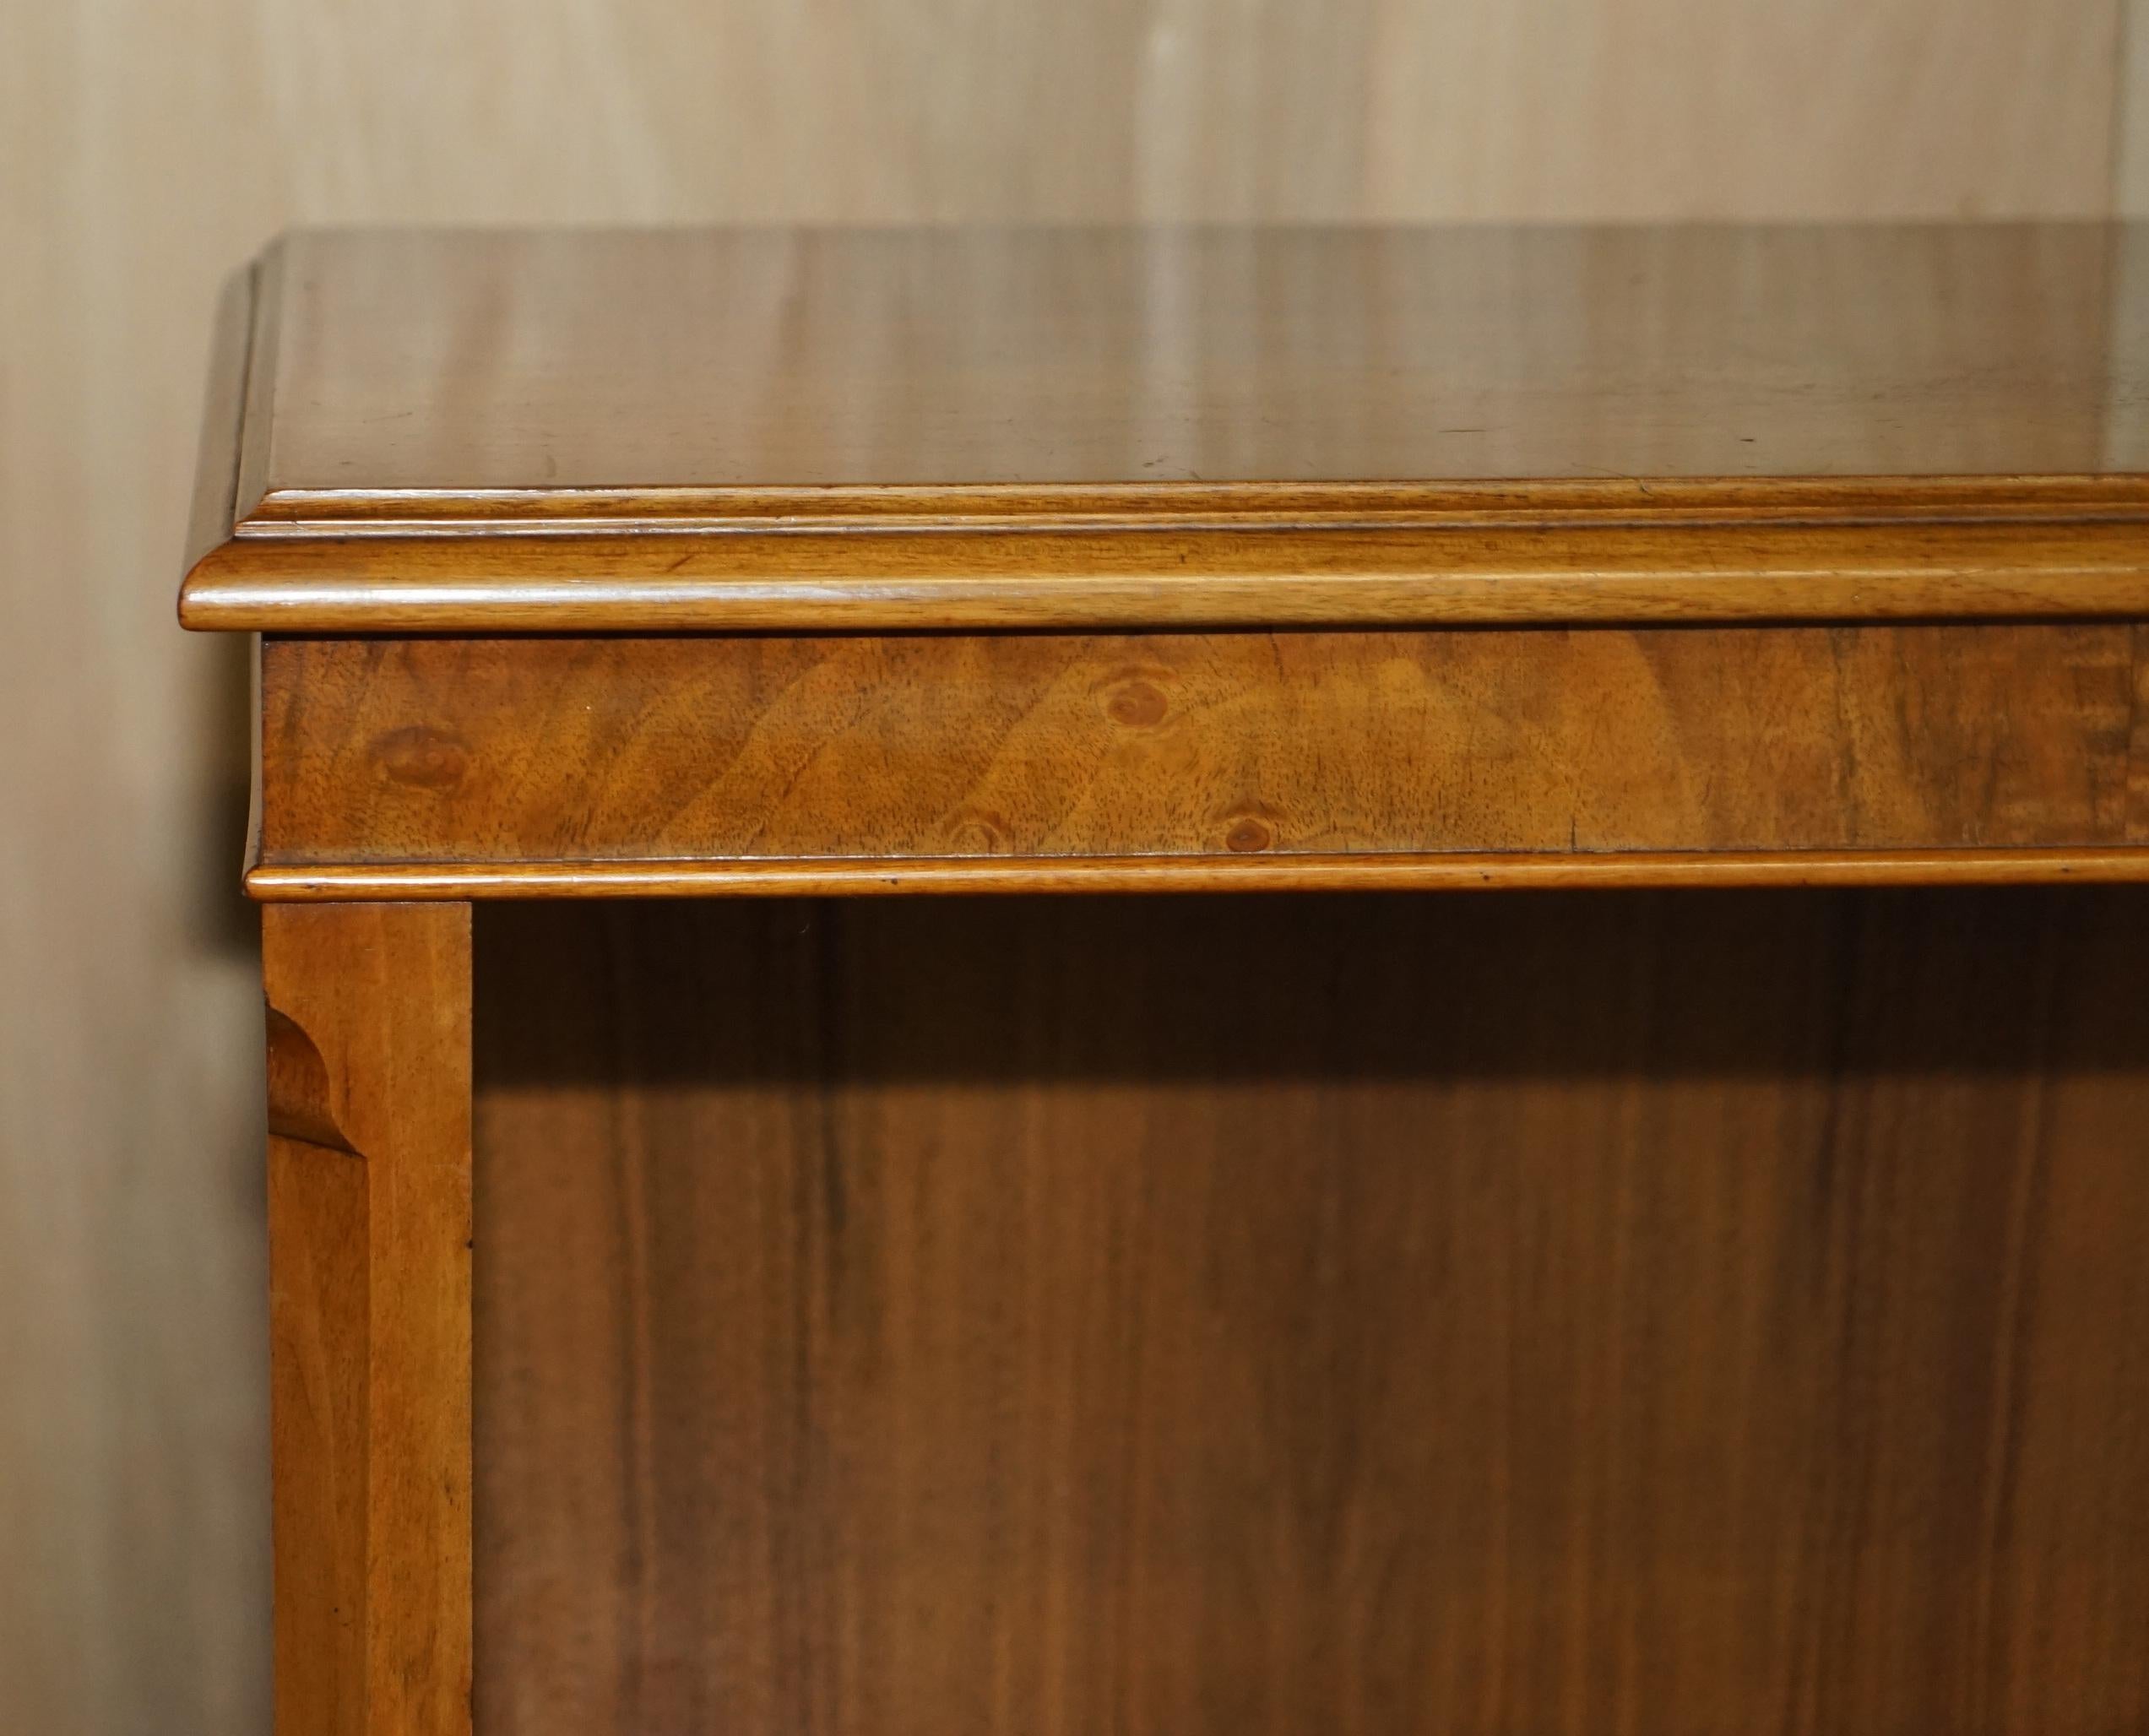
(873, 752)
(1580, 1313)
(435, 374)
(1536, 562)
(369, 1229)
(1466, 425)
(1390, 872)
(145, 147)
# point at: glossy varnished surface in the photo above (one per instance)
(1746, 561)
(369, 1315)
(1481, 109)
(481, 432)
(1577, 1313)
(1315, 755)
(772, 361)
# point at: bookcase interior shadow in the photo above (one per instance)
(1360, 1312)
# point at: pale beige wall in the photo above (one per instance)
(2131, 129)
(146, 147)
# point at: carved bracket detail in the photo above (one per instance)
(302, 1102)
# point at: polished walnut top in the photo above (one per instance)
(1060, 426)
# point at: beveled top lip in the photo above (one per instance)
(1267, 502)
(465, 428)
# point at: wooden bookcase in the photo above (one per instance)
(1528, 1110)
